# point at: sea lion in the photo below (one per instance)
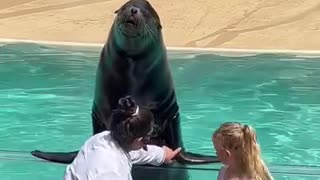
(134, 62)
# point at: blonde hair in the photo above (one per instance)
(241, 141)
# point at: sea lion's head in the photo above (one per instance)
(136, 20)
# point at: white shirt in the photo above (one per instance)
(101, 158)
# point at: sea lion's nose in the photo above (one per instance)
(134, 10)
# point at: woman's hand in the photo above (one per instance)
(170, 154)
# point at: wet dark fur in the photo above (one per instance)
(134, 62)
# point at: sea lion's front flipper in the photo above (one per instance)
(192, 158)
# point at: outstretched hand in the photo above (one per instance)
(170, 154)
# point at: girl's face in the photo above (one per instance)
(137, 144)
(223, 154)
(142, 141)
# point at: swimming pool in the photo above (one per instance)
(46, 96)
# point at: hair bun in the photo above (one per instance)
(127, 105)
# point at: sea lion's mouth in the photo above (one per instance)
(132, 21)
(131, 26)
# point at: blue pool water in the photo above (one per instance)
(46, 95)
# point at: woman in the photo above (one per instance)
(110, 154)
(238, 150)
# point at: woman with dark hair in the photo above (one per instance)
(110, 154)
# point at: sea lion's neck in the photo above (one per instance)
(134, 49)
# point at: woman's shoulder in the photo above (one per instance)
(221, 173)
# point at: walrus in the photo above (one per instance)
(134, 62)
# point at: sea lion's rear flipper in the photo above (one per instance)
(58, 157)
(192, 158)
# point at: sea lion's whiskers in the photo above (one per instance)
(150, 32)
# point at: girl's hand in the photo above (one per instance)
(170, 154)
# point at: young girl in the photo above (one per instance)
(238, 150)
(110, 154)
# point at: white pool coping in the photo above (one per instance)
(197, 49)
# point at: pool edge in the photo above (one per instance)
(173, 48)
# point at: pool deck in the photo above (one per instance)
(245, 24)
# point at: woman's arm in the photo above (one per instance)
(155, 155)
